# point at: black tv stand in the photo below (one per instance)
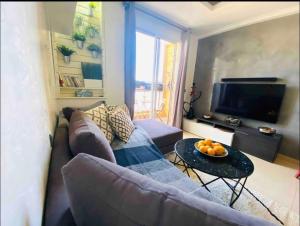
(250, 140)
(217, 123)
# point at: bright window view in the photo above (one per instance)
(154, 77)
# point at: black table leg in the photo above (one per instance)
(175, 158)
(235, 195)
(186, 169)
(178, 162)
(199, 178)
(232, 199)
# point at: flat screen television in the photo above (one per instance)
(254, 101)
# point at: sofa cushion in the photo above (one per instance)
(86, 137)
(99, 115)
(161, 134)
(67, 111)
(122, 106)
(115, 196)
(121, 123)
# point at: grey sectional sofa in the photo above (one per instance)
(57, 207)
(57, 204)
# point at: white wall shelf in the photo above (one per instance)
(100, 98)
(80, 88)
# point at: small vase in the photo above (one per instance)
(95, 54)
(67, 59)
(61, 82)
(91, 12)
(79, 44)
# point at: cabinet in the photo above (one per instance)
(246, 139)
(251, 141)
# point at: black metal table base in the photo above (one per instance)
(235, 193)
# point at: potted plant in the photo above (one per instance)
(78, 21)
(66, 52)
(79, 38)
(95, 50)
(91, 31)
(92, 6)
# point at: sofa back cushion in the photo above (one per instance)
(122, 106)
(86, 137)
(121, 123)
(99, 115)
(102, 193)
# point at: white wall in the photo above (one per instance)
(27, 112)
(114, 30)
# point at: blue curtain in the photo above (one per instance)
(130, 45)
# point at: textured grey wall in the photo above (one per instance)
(267, 49)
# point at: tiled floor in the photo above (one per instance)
(274, 180)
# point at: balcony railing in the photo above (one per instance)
(143, 104)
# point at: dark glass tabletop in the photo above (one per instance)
(235, 165)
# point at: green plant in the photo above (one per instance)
(92, 5)
(91, 30)
(94, 47)
(65, 50)
(78, 21)
(79, 36)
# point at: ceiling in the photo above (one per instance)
(206, 19)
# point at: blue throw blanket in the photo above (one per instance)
(143, 156)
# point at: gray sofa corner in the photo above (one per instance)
(164, 136)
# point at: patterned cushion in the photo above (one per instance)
(121, 123)
(99, 115)
(122, 106)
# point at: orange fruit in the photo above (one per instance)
(219, 150)
(201, 142)
(215, 148)
(211, 151)
(215, 144)
(208, 142)
(203, 149)
(221, 147)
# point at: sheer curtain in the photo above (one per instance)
(130, 45)
(151, 23)
(177, 111)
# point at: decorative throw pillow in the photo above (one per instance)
(99, 115)
(122, 106)
(121, 123)
(86, 137)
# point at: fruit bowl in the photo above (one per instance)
(211, 149)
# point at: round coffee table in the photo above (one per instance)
(235, 167)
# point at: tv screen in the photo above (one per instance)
(255, 101)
